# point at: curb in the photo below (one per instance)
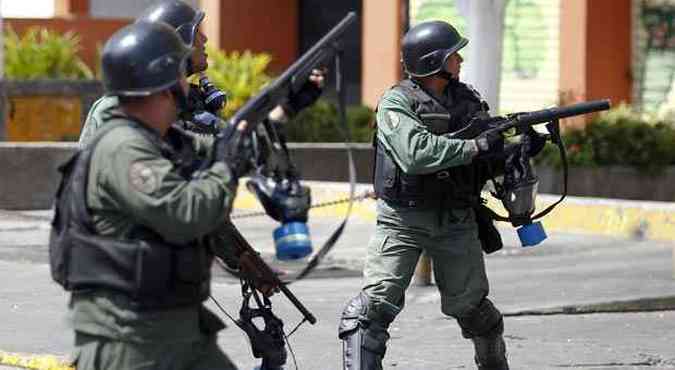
(612, 217)
(635, 305)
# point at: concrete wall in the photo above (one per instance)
(610, 182)
(29, 171)
(29, 175)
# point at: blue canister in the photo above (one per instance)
(531, 234)
(292, 241)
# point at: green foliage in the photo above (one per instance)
(321, 123)
(241, 75)
(442, 10)
(618, 137)
(525, 35)
(43, 54)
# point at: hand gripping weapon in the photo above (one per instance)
(518, 189)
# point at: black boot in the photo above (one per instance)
(490, 352)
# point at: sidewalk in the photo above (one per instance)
(598, 216)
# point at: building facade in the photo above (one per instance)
(555, 51)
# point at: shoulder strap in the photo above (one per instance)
(413, 89)
(80, 176)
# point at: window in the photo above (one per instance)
(27, 9)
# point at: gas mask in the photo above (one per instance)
(519, 191)
(214, 98)
(288, 202)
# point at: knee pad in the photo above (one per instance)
(354, 312)
(363, 331)
(483, 320)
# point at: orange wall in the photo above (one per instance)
(78, 7)
(380, 48)
(609, 52)
(92, 32)
(261, 26)
(595, 50)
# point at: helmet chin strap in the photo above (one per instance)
(447, 76)
(180, 98)
(189, 68)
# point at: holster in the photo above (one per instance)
(490, 240)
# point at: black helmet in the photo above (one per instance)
(181, 16)
(426, 47)
(143, 58)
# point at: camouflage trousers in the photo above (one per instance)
(100, 353)
(450, 239)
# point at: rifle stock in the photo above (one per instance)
(259, 272)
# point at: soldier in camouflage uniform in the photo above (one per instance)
(204, 100)
(427, 186)
(135, 213)
(186, 21)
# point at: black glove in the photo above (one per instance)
(235, 150)
(490, 143)
(537, 142)
(303, 98)
(206, 118)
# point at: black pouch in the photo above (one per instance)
(490, 240)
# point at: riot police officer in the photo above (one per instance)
(204, 100)
(133, 212)
(427, 186)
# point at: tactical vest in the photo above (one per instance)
(452, 187)
(152, 272)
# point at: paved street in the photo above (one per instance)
(571, 271)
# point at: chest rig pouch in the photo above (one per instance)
(152, 272)
(454, 186)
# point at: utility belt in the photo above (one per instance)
(436, 190)
(431, 204)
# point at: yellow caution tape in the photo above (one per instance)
(32, 361)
